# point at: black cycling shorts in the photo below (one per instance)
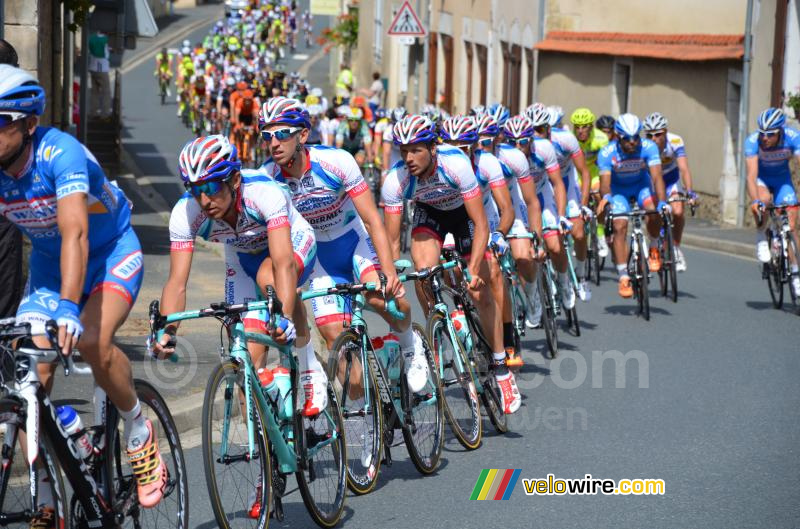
(439, 223)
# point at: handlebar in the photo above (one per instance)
(11, 330)
(350, 289)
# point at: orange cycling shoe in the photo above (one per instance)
(654, 260)
(255, 504)
(625, 288)
(513, 358)
(149, 469)
(46, 519)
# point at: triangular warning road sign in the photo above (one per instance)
(406, 22)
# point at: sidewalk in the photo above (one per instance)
(706, 235)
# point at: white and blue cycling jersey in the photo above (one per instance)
(773, 164)
(515, 169)
(324, 197)
(544, 162)
(673, 149)
(630, 173)
(58, 167)
(567, 149)
(264, 206)
(489, 174)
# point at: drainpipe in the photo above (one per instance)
(490, 57)
(744, 109)
(539, 38)
(422, 77)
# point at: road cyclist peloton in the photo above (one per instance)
(769, 177)
(440, 180)
(85, 267)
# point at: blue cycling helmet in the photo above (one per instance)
(208, 158)
(20, 91)
(284, 110)
(414, 129)
(771, 119)
(500, 113)
(487, 126)
(628, 126)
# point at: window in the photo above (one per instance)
(481, 52)
(378, 31)
(433, 54)
(531, 72)
(621, 86)
(447, 47)
(470, 54)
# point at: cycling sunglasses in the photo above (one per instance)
(630, 139)
(6, 118)
(281, 134)
(522, 142)
(486, 142)
(652, 135)
(210, 188)
(763, 134)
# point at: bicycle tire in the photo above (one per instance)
(663, 278)
(483, 360)
(20, 474)
(548, 312)
(427, 460)
(643, 280)
(594, 262)
(328, 513)
(461, 405)
(117, 474)
(220, 484)
(361, 479)
(572, 321)
(774, 273)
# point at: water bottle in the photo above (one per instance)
(391, 348)
(100, 402)
(283, 379)
(380, 352)
(462, 329)
(71, 422)
(776, 246)
(268, 385)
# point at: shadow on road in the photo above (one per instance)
(767, 305)
(154, 239)
(149, 159)
(630, 310)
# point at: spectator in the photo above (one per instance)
(375, 92)
(10, 237)
(344, 85)
(328, 127)
(99, 66)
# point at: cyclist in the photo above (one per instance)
(85, 267)
(353, 135)
(391, 152)
(556, 115)
(677, 177)
(571, 161)
(769, 177)
(630, 169)
(163, 71)
(552, 194)
(327, 188)
(442, 183)
(266, 241)
(185, 73)
(606, 125)
(591, 139)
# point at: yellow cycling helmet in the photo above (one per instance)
(355, 113)
(582, 116)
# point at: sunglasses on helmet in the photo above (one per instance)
(210, 188)
(281, 134)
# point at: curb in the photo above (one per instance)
(701, 242)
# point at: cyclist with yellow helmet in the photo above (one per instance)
(591, 139)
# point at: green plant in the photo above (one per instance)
(793, 100)
(80, 9)
(344, 33)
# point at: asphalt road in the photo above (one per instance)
(704, 397)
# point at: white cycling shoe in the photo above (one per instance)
(416, 366)
(315, 391)
(602, 247)
(509, 391)
(762, 251)
(680, 260)
(584, 292)
(567, 295)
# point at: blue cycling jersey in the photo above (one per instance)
(628, 169)
(60, 166)
(773, 164)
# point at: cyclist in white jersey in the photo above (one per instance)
(577, 181)
(441, 182)
(327, 188)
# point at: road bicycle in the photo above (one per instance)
(594, 263)
(473, 339)
(375, 397)
(103, 484)
(248, 450)
(163, 86)
(638, 269)
(372, 176)
(547, 287)
(783, 247)
(668, 274)
(571, 314)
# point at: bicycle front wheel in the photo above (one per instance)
(461, 405)
(644, 293)
(239, 494)
(546, 296)
(173, 509)
(322, 474)
(15, 485)
(791, 251)
(423, 427)
(361, 410)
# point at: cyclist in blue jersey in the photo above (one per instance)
(630, 169)
(85, 267)
(769, 178)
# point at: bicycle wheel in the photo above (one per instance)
(235, 481)
(461, 405)
(775, 276)
(546, 296)
(423, 426)
(15, 485)
(322, 453)
(163, 92)
(173, 509)
(363, 418)
(791, 250)
(663, 278)
(641, 266)
(594, 261)
(483, 360)
(572, 321)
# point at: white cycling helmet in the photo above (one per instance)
(208, 158)
(556, 115)
(628, 125)
(538, 115)
(655, 121)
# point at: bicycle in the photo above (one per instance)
(594, 263)
(103, 484)
(638, 269)
(668, 275)
(783, 244)
(372, 176)
(479, 352)
(547, 287)
(253, 432)
(387, 404)
(163, 86)
(571, 314)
